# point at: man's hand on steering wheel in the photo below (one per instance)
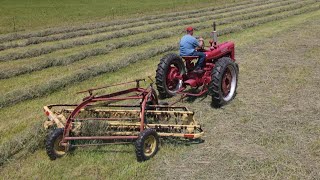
(201, 44)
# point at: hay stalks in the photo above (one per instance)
(45, 63)
(19, 95)
(126, 32)
(28, 141)
(37, 40)
(51, 31)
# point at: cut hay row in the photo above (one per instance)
(126, 32)
(40, 161)
(39, 51)
(25, 145)
(37, 40)
(19, 95)
(45, 62)
(78, 76)
(29, 141)
(51, 31)
(65, 60)
(17, 85)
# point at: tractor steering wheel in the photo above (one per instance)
(203, 45)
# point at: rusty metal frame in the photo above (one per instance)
(120, 122)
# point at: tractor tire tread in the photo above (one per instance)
(161, 73)
(140, 144)
(50, 143)
(216, 76)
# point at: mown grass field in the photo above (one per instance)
(271, 129)
(20, 15)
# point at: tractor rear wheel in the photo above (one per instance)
(53, 147)
(224, 80)
(147, 145)
(169, 75)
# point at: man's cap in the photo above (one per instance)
(189, 28)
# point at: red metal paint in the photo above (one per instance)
(173, 77)
(226, 48)
(143, 94)
(100, 137)
(197, 80)
(226, 82)
(189, 136)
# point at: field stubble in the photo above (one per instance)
(226, 152)
(13, 69)
(20, 143)
(97, 25)
(271, 130)
(18, 95)
(116, 27)
(34, 52)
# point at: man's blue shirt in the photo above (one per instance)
(188, 44)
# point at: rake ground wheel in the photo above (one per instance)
(169, 75)
(147, 145)
(224, 81)
(53, 147)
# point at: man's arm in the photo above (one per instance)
(201, 42)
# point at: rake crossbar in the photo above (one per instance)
(104, 118)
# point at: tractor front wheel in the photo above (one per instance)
(53, 147)
(169, 75)
(147, 145)
(224, 80)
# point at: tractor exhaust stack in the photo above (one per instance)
(215, 35)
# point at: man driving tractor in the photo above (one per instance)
(189, 46)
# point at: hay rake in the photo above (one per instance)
(125, 116)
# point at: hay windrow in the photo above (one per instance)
(126, 32)
(8, 154)
(51, 31)
(60, 61)
(16, 96)
(28, 141)
(37, 40)
(49, 49)
(45, 63)
(19, 95)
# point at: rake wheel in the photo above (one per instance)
(53, 147)
(147, 145)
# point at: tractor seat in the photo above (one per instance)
(189, 57)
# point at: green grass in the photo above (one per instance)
(101, 28)
(266, 120)
(38, 90)
(20, 15)
(36, 78)
(88, 26)
(98, 161)
(271, 130)
(12, 54)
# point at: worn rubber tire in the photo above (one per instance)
(162, 71)
(215, 86)
(50, 144)
(140, 142)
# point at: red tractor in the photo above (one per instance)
(220, 76)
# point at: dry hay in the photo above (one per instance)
(45, 63)
(16, 36)
(19, 95)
